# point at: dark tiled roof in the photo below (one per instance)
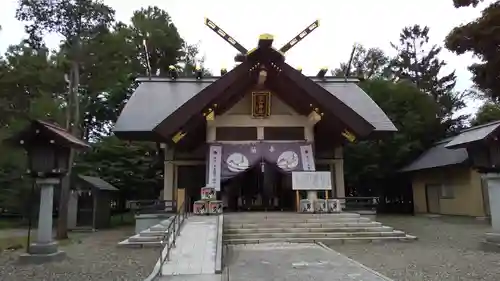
(98, 183)
(474, 134)
(63, 133)
(48, 130)
(452, 151)
(438, 156)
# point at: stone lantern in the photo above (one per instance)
(483, 149)
(48, 148)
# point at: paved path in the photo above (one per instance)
(195, 248)
(294, 262)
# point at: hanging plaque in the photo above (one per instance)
(261, 104)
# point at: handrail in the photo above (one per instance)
(153, 206)
(170, 235)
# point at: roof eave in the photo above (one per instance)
(410, 170)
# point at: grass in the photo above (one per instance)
(10, 223)
(13, 243)
(20, 242)
(125, 219)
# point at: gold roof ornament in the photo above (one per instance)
(349, 136)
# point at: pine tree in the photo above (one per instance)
(419, 63)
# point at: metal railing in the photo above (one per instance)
(171, 233)
(153, 206)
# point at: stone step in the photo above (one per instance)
(297, 220)
(300, 225)
(327, 240)
(139, 238)
(158, 227)
(288, 215)
(129, 244)
(149, 232)
(314, 235)
(307, 230)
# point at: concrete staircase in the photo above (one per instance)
(253, 228)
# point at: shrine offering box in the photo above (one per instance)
(215, 207)
(207, 193)
(200, 207)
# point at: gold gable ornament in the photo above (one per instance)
(349, 136)
(261, 104)
(178, 137)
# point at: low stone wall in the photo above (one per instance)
(145, 221)
(218, 253)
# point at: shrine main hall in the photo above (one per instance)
(245, 131)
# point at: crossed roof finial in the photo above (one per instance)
(265, 40)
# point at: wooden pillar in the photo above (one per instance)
(339, 172)
(168, 175)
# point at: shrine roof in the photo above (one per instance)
(161, 106)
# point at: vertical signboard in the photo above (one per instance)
(307, 156)
(214, 166)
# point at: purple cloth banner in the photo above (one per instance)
(237, 158)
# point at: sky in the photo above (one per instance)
(342, 23)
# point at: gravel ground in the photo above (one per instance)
(448, 249)
(92, 256)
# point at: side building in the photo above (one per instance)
(443, 180)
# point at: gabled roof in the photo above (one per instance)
(438, 156)
(97, 183)
(49, 130)
(157, 99)
(452, 151)
(474, 134)
(354, 97)
(152, 102)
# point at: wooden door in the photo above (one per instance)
(432, 197)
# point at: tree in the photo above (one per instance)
(31, 87)
(466, 3)
(420, 65)
(488, 112)
(77, 21)
(413, 113)
(482, 38)
(366, 63)
(128, 166)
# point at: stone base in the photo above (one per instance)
(42, 258)
(492, 242)
(493, 237)
(43, 249)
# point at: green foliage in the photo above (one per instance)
(481, 37)
(73, 19)
(129, 167)
(413, 113)
(466, 3)
(488, 112)
(419, 63)
(366, 63)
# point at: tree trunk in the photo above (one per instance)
(72, 122)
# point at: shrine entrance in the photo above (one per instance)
(263, 187)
